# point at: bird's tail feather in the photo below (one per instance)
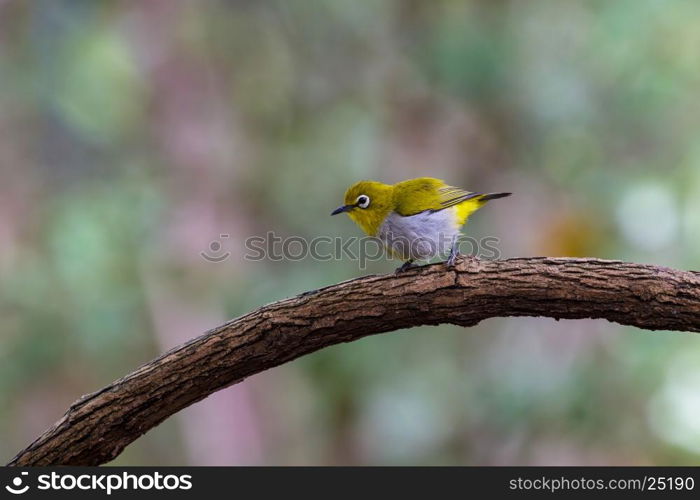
(467, 207)
(493, 196)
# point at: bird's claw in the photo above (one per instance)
(404, 267)
(452, 259)
(451, 262)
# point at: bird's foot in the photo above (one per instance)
(405, 267)
(451, 261)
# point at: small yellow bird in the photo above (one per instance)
(415, 219)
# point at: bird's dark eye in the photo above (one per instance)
(363, 201)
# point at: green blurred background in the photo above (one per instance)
(134, 133)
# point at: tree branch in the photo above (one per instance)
(96, 428)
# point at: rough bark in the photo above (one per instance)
(96, 428)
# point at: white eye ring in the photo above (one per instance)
(363, 201)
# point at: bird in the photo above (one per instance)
(416, 219)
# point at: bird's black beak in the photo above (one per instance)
(344, 208)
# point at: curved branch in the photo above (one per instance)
(99, 426)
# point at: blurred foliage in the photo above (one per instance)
(134, 134)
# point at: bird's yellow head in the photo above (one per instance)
(368, 203)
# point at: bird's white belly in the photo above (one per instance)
(421, 236)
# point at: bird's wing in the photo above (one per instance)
(419, 195)
(450, 195)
